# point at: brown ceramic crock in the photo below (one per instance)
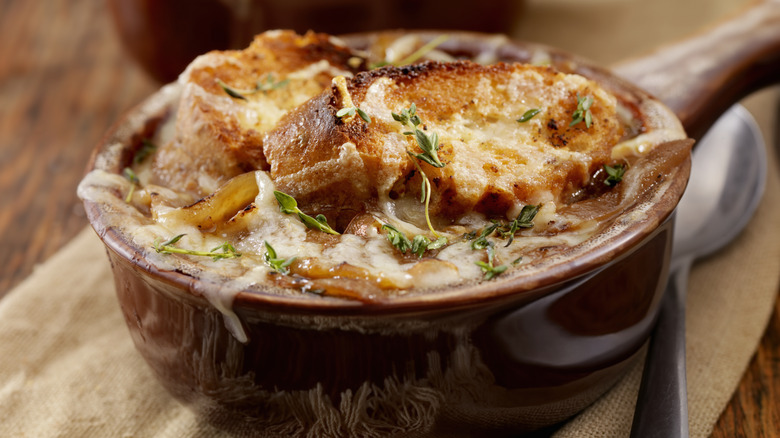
(486, 359)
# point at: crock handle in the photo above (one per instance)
(700, 77)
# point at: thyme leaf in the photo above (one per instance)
(169, 242)
(233, 92)
(583, 111)
(130, 175)
(288, 205)
(528, 115)
(420, 244)
(488, 268)
(271, 84)
(471, 235)
(614, 174)
(350, 112)
(276, 263)
(430, 147)
(224, 251)
(526, 217)
(438, 243)
(266, 85)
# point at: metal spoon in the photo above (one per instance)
(727, 181)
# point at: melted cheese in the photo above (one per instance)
(486, 151)
(289, 237)
(262, 113)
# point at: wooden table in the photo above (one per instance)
(64, 80)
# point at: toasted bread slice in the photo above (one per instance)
(230, 99)
(492, 163)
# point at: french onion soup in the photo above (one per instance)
(309, 168)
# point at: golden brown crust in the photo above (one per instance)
(276, 53)
(492, 162)
(219, 136)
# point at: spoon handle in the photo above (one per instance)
(662, 404)
(700, 77)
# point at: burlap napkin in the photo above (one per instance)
(68, 367)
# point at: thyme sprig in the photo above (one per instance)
(425, 194)
(614, 174)
(397, 238)
(288, 205)
(481, 241)
(583, 111)
(525, 219)
(276, 263)
(224, 251)
(428, 143)
(133, 178)
(418, 245)
(266, 85)
(488, 268)
(504, 230)
(408, 116)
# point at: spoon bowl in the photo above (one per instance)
(727, 180)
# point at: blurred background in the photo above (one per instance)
(154, 31)
(70, 68)
(164, 36)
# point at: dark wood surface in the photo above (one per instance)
(64, 79)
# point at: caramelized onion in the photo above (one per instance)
(217, 208)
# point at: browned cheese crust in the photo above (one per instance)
(219, 136)
(492, 162)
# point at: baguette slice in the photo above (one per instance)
(219, 136)
(493, 163)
